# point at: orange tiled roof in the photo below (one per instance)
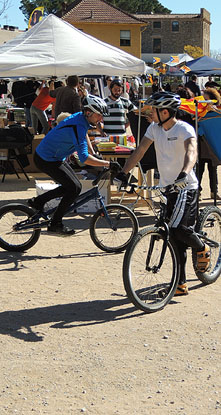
(97, 11)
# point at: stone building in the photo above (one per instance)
(167, 34)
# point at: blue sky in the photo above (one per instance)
(14, 17)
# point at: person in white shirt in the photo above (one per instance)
(107, 92)
(176, 152)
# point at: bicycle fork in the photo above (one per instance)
(113, 225)
(155, 268)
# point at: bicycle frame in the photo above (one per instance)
(162, 223)
(85, 197)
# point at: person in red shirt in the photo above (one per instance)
(39, 105)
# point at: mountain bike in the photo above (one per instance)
(112, 227)
(151, 267)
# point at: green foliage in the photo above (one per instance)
(141, 6)
(194, 51)
(54, 6)
(130, 6)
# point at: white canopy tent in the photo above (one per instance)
(56, 48)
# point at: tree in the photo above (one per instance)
(54, 6)
(194, 51)
(216, 54)
(4, 5)
(141, 6)
(130, 6)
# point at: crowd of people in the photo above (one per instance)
(77, 106)
(48, 99)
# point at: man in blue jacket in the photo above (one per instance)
(68, 136)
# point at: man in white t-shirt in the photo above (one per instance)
(176, 152)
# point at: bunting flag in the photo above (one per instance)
(185, 69)
(156, 60)
(150, 79)
(188, 105)
(35, 17)
(174, 59)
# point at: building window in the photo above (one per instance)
(157, 45)
(125, 38)
(175, 26)
(157, 25)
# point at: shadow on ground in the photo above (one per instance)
(19, 324)
(16, 260)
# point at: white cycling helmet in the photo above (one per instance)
(164, 100)
(95, 104)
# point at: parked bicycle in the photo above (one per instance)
(151, 263)
(112, 227)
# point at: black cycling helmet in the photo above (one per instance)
(95, 104)
(164, 100)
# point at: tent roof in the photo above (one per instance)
(55, 48)
(205, 66)
(183, 57)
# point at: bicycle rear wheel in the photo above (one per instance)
(209, 224)
(13, 237)
(149, 287)
(113, 232)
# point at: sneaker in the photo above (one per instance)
(218, 197)
(60, 229)
(182, 289)
(203, 259)
(34, 204)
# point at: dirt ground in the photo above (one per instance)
(72, 343)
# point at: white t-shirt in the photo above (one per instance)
(106, 91)
(170, 151)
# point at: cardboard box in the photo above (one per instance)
(93, 205)
(3, 154)
(89, 207)
(42, 187)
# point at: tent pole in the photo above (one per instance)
(197, 164)
(143, 85)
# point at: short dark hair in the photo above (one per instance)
(183, 93)
(116, 82)
(72, 80)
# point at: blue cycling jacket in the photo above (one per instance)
(68, 136)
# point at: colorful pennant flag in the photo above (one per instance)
(150, 79)
(174, 59)
(36, 16)
(156, 60)
(185, 69)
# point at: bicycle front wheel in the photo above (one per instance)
(112, 230)
(148, 285)
(13, 235)
(209, 225)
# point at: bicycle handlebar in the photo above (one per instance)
(159, 191)
(162, 189)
